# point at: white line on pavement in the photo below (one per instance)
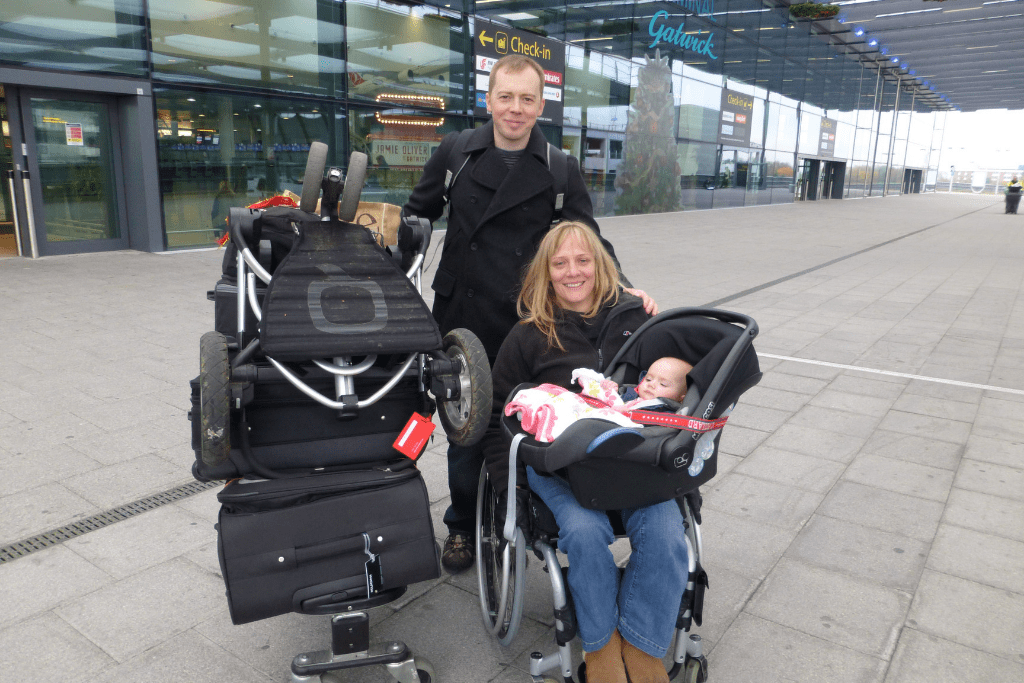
(895, 374)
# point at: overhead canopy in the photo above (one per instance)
(952, 54)
(971, 51)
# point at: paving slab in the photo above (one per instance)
(991, 560)
(922, 658)
(856, 613)
(151, 607)
(998, 480)
(931, 483)
(820, 443)
(758, 650)
(886, 558)
(46, 643)
(883, 510)
(914, 449)
(802, 471)
(985, 513)
(966, 612)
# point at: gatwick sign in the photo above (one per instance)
(661, 32)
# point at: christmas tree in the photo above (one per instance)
(648, 178)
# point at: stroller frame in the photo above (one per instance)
(501, 552)
(456, 374)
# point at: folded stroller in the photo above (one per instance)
(324, 368)
(611, 468)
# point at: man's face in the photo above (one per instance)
(515, 102)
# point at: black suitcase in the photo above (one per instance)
(288, 431)
(301, 544)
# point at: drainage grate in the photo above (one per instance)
(106, 518)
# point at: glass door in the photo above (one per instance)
(8, 219)
(73, 169)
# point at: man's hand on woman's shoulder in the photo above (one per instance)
(649, 304)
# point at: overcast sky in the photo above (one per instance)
(982, 140)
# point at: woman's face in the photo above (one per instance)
(572, 275)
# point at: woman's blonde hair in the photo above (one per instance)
(537, 304)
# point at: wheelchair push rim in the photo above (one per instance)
(500, 566)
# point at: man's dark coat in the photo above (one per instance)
(497, 218)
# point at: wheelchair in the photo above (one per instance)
(323, 351)
(659, 463)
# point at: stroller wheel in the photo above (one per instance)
(215, 398)
(353, 187)
(500, 567)
(465, 420)
(314, 176)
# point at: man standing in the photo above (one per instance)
(501, 204)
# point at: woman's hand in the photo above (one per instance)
(649, 304)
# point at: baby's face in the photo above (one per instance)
(665, 379)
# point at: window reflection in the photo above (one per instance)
(398, 143)
(101, 35)
(408, 50)
(219, 151)
(293, 45)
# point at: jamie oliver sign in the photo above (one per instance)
(734, 118)
(493, 41)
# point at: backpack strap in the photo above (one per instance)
(457, 160)
(558, 164)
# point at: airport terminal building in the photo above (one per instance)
(135, 124)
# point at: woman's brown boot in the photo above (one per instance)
(642, 667)
(605, 665)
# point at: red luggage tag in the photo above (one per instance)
(414, 435)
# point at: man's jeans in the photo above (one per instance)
(464, 465)
(644, 604)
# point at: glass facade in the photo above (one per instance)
(667, 107)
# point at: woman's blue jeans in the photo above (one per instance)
(644, 604)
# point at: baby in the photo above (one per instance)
(545, 411)
(666, 378)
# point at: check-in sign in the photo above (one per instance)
(493, 41)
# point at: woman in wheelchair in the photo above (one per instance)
(575, 315)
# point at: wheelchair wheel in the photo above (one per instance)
(500, 567)
(313, 179)
(349, 204)
(465, 420)
(214, 398)
(693, 673)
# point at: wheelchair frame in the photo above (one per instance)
(501, 598)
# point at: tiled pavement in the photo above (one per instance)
(866, 525)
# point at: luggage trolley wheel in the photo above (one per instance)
(349, 204)
(502, 605)
(214, 398)
(424, 671)
(465, 420)
(315, 164)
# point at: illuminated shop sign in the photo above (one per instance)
(827, 139)
(661, 32)
(734, 118)
(494, 41)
